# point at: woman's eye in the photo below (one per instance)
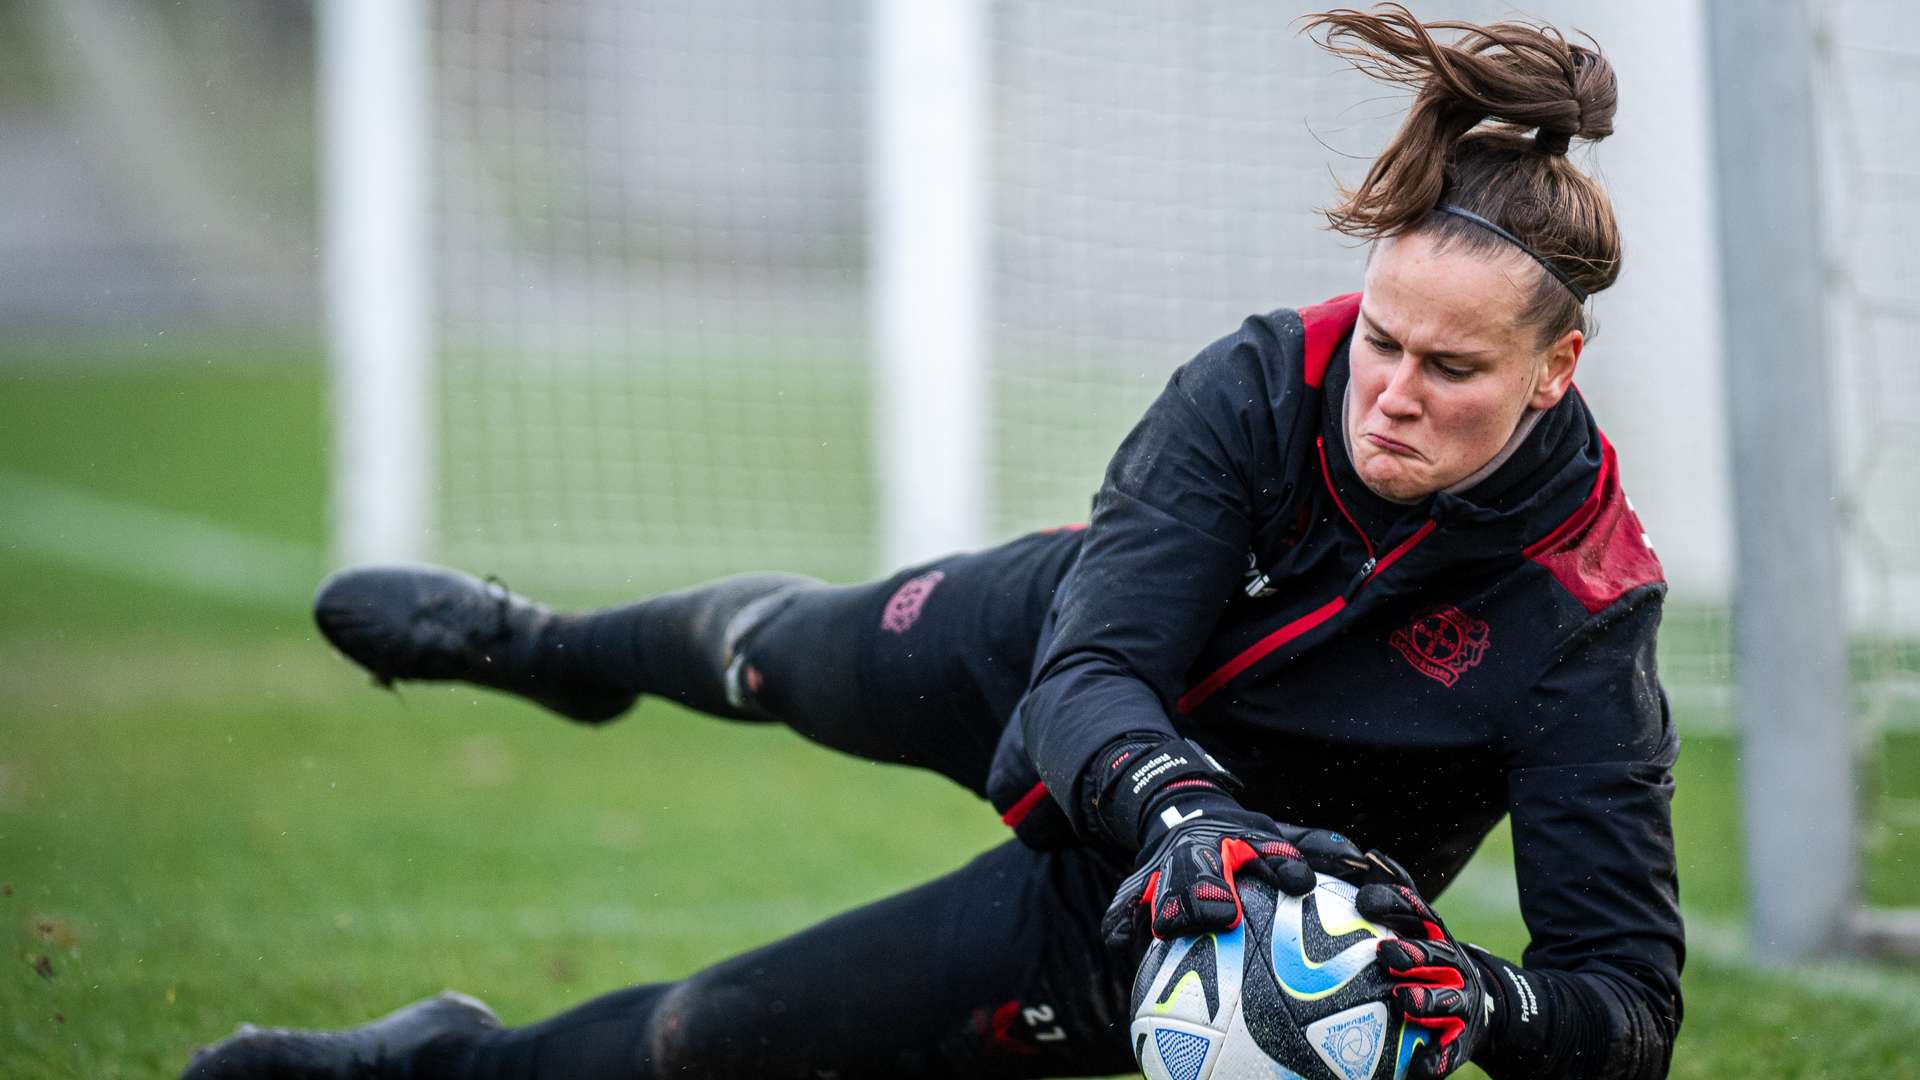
(1380, 344)
(1456, 374)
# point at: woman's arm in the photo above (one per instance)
(1599, 993)
(1598, 997)
(1163, 554)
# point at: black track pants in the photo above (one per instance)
(920, 669)
(995, 970)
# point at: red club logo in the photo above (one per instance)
(1442, 645)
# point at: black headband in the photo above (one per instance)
(1579, 293)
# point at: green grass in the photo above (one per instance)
(235, 438)
(252, 830)
(205, 817)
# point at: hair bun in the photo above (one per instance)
(1596, 92)
(1541, 93)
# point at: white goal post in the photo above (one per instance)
(929, 274)
(373, 68)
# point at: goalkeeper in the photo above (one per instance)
(1373, 555)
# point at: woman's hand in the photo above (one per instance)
(1187, 882)
(1169, 801)
(1440, 986)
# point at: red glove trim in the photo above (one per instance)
(1153, 888)
(1234, 854)
(1448, 1027)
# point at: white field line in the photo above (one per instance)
(68, 525)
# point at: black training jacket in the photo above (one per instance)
(1403, 674)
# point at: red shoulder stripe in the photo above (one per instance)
(1325, 324)
(1600, 552)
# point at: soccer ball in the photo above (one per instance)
(1292, 993)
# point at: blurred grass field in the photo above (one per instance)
(205, 817)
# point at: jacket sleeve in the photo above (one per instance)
(1163, 554)
(1590, 799)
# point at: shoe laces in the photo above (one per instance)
(501, 598)
(462, 623)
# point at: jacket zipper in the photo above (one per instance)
(1359, 579)
(1259, 650)
(1320, 445)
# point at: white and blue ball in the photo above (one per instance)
(1295, 992)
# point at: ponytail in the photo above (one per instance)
(1494, 113)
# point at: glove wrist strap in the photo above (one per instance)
(1133, 775)
(1183, 803)
(1529, 1031)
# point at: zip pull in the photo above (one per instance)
(1359, 579)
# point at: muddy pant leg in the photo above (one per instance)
(921, 668)
(993, 971)
(676, 646)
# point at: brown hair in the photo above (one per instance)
(1524, 78)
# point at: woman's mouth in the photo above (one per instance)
(1392, 446)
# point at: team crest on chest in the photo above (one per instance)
(1443, 645)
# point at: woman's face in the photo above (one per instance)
(1442, 367)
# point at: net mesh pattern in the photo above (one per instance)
(651, 230)
(1155, 181)
(651, 321)
(1869, 80)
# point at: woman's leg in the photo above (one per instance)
(993, 971)
(429, 623)
(921, 668)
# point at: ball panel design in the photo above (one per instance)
(1182, 1053)
(1242, 1059)
(1175, 1049)
(1297, 994)
(1145, 979)
(1350, 1042)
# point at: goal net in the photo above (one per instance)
(652, 294)
(650, 312)
(1869, 64)
(652, 301)
(652, 290)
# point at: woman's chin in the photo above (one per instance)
(1395, 483)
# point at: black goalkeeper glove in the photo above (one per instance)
(1440, 986)
(1187, 882)
(1169, 802)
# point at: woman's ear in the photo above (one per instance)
(1556, 373)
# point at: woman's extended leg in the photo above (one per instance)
(921, 668)
(429, 623)
(993, 971)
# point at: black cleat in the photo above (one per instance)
(425, 622)
(382, 1050)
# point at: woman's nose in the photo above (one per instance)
(1401, 396)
